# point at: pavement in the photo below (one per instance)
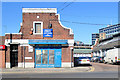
(94, 67)
(47, 70)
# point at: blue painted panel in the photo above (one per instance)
(44, 66)
(47, 32)
(48, 47)
(48, 42)
(58, 58)
(35, 58)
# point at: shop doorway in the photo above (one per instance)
(14, 55)
(47, 58)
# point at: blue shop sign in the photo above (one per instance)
(48, 41)
(47, 32)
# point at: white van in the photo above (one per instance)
(112, 56)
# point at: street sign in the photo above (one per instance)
(2, 46)
(30, 48)
(47, 32)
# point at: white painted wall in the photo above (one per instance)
(7, 64)
(39, 10)
(18, 41)
(82, 55)
(21, 65)
(29, 64)
(67, 64)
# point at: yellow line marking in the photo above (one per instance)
(92, 69)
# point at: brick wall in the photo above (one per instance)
(20, 53)
(8, 54)
(58, 31)
(2, 58)
(29, 54)
(66, 54)
(2, 40)
(24, 52)
(14, 36)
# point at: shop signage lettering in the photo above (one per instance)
(2, 46)
(30, 49)
(28, 57)
(47, 32)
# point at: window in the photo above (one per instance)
(38, 27)
(101, 34)
(94, 39)
(45, 57)
(38, 56)
(51, 56)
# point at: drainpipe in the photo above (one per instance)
(71, 55)
(20, 44)
(10, 38)
(10, 48)
(24, 55)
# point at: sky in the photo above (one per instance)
(79, 16)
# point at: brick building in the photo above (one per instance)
(42, 41)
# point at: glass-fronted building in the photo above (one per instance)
(110, 30)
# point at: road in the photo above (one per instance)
(98, 70)
(101, 67)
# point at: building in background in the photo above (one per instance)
(95, 36)
(109, 31)
(81, 51)
(102, 36)
(106, 32)
(105, 45)
(77, 43)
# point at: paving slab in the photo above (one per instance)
(45, 70)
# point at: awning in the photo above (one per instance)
(48, 41)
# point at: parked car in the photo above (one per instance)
(93, 59)
(84, 61)
(76, 60)
(99, 59)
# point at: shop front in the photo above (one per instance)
(47, 57)
(48, 53)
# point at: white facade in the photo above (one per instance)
(39, 10)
